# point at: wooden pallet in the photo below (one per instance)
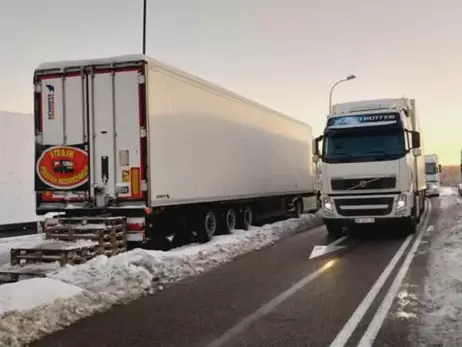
(91, 220)
(107, 233)
(48, 254)
(73, 233)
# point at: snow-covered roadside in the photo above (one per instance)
(107, 281)
(440, 320)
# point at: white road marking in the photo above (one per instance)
(272, 304)
(342, 338)
(376, 323)
(323, 250)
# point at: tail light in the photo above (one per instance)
(135, 226)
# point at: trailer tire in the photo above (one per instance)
(245, 218)
(229, 220)
(207, 226)
(298, 208)
(318, 201)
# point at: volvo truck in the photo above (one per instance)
(130, 136)
(433, 174)
(373, 169)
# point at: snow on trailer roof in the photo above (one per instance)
(133, 58)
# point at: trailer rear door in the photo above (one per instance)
(90, 127)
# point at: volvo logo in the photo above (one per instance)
(362, 184)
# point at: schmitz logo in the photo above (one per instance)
(51, 101)
(63, 167)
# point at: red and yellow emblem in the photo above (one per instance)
(63, 167)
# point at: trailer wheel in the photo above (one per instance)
(207, 226)
(229, 221)
(318, 201)
(245, 218)
(298, 208)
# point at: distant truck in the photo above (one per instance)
(373, 171)
(433, 174)
(178, 156)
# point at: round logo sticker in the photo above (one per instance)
(63, 167)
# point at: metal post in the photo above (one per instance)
(145, 4)
(348, 78)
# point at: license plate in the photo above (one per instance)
(364, 220)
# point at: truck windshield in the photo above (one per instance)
(363, 144)
(430, 168)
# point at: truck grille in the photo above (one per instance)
(364, 183)
(364, 206)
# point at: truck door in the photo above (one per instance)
(90, 127)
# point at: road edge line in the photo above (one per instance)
(350, 326)
(381, 314)
(271, 305)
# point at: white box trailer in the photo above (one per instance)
(17, 208)
(131, 136)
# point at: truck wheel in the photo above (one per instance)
(245, 218)
(298, 208)
(229, 221)
(207, 226)
(334, 230)
(410, 224)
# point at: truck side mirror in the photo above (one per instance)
(415, 139)
(315, 158)
(417, 152)
(440, 168)
(316, 147)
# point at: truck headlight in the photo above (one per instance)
(401, 202)
(327, 203)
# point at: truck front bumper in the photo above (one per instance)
(361, 209)
(377, 222)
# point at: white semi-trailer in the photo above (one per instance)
(130, 136)
(17, 208)
(373, 170)
(433, 174)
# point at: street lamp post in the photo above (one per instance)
(348, 78)
(145, 5)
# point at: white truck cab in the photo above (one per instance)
(373, 171)
(433, 174)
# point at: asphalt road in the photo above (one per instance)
(273, 297)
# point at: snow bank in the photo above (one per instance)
(440, 321)
(17, 203)
(447, 191)
(107, 281)
(26, 295)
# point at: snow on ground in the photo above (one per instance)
(447, 191)
(449, 197)
(26, 295)
(440, 322)
(125, 277)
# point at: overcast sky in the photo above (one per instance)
(282, 53)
